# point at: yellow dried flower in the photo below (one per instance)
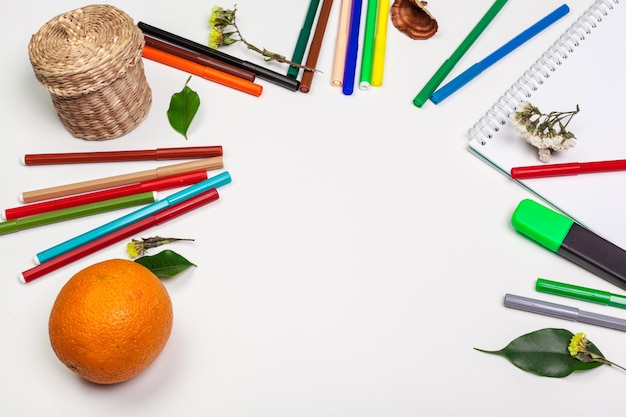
(578, 344)
(137, 248)
(216, 38)
(222, 18)
(578, 349)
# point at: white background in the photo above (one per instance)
(357, 258)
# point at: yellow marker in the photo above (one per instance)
(380, 44)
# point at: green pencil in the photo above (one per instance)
(367, 57)
(303, 39)
(449, 63)
(70, 213)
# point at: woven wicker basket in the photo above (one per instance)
(89, 59)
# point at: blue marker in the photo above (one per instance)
(349, 73)
(473, 71)
(135, 216)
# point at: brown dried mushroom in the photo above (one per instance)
(411, 18)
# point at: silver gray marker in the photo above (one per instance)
(563, 312)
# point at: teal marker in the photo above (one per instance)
(133, 217)
(562, 235)
(580, 293)
(83, 210)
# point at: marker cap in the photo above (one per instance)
(541, 224)
(580, 293)
(572, 291)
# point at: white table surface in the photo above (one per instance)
(356, 259)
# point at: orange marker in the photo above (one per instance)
(202, 71)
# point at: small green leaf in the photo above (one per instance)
(183, 108)
(544, 352)
(165, 264)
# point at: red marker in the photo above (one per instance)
(572, 168)
(192, 152)
(123, 233)
(95, 196)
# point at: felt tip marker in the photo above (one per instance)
(198, 59)
(572, 241)
(172, 199)
(476, 69)
(570, 168)
(71, 213)
(124, 233)
(159, 184)
(580, 293)
(352, 50)
(208, 73)
(458, 53)
(215, 162)
(563, 312)
(258, 70)
(193, 152)
(380, 44)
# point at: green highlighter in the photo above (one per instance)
(580, 293)
(572, 241)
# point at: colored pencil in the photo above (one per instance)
(207, 73)
(170, 200)
(192, 152)
(316, 46)
(101, 195)
(198, 59)
(98, 184)
(119, 235)
(261, 72)
(71, 213)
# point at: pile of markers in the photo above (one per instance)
(374, 45)
(175, 51)
(71, 201)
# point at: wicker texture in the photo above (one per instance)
(89, 59)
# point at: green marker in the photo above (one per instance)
(367, 58)
(456, 56)
(572, 241)
(580, 293)
(303, 38)
(70, 213)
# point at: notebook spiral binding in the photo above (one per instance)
(489, 124)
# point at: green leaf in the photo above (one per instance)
(165, 264)
(544, 352)
(183, 108)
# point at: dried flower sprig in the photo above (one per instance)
(221, 19)
(137, 247)
(545, 131)
(578, 349)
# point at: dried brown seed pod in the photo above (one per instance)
(411, 18)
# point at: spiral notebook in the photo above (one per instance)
(585, 66)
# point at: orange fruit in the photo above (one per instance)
(110, 321)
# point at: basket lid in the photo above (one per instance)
(85, 49)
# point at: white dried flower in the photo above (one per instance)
(545, 131)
